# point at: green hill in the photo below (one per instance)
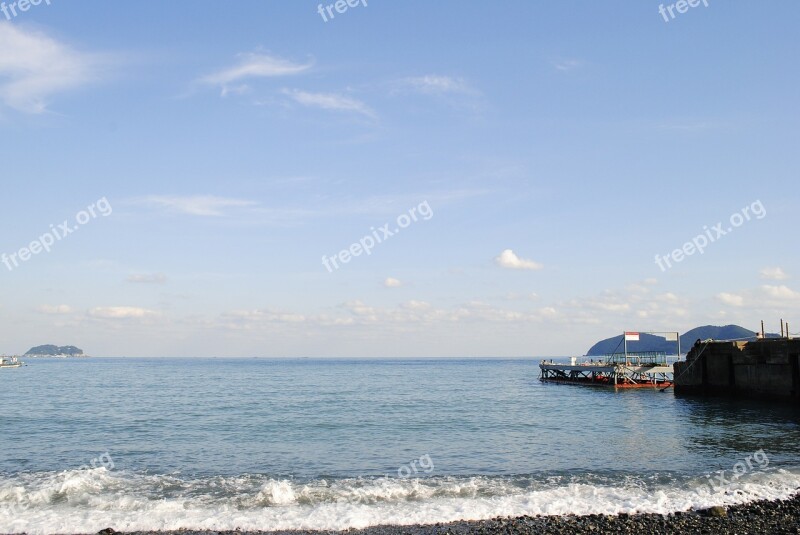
(52, 351)
(649, 342)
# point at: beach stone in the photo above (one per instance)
(717, 511)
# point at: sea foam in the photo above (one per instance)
(85, 501)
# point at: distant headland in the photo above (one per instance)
(55, 351)
(649, 342)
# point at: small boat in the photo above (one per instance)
(10, 362)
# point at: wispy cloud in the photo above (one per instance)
(124, 312)
(55, 309)
(330, 102)
(773, 273)
(391, 282)
(508, 259)
(781, 293)
(148, 278)
(199, 205)
(567, 64)
(35, 67)
(633, 302)
(413, 314)
(252, 65)
(766, 298)
(435, 84)
(730, 299)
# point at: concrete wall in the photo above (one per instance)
(765, 368)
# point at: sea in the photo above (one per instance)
(330, 444)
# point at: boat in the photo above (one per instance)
(10, 362)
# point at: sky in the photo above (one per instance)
(394, 179)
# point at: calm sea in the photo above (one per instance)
(143, 444)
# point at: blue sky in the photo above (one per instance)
(560, 147)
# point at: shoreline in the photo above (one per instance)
(764, 516)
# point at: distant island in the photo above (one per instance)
(649, 342)
(54, 351)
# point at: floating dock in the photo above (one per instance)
(625, 369)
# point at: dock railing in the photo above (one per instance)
(638, 358)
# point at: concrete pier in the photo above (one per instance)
(768, 368)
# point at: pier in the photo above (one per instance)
(619, 375)
(624, 369)
(768, 368)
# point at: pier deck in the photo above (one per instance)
(607, 374)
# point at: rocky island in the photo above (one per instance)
(55, 351)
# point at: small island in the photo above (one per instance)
(53, 351)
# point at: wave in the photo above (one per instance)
(85, 501)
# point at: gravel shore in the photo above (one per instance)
(765, 517)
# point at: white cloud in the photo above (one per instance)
(422, 313)
(567, 64)
(668, 297)
(436, 84)
(410, 315)
(148, 278)
(514, 296)
(391, 282)
(329, 101)
(416, 305)
(781, 292)
(633, 302)
(610, 307)
(55, 309)
(252, 65)
(773, 273)
(508, 259)
(730, 299)
(202, 205)
(268, 316)
(235, 90)
(34, 67)
(121, 313)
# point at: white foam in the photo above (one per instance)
(87, 501)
